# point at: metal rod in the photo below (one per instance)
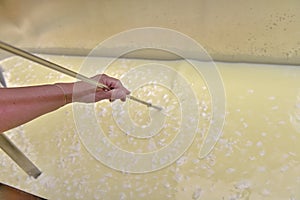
(145, 103)
(16, 155)
(56, 67)
(2, 79)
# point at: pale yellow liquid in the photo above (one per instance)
(257, 156)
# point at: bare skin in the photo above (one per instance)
(23, 104)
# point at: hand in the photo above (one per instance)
(117, 90)
(87, 93)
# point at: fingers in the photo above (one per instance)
(118, 91)
(118, 94)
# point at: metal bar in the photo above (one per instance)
(16, 155)
(2, 80)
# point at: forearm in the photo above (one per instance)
(21, 105)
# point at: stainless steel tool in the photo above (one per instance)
(16, 155)
(34, 58)
(2, 80)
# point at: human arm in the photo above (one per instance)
(23, 104)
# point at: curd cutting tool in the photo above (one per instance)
(39, 60)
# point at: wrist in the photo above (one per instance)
(66, 90)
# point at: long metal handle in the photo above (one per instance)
(56, 67)
(15, 154)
